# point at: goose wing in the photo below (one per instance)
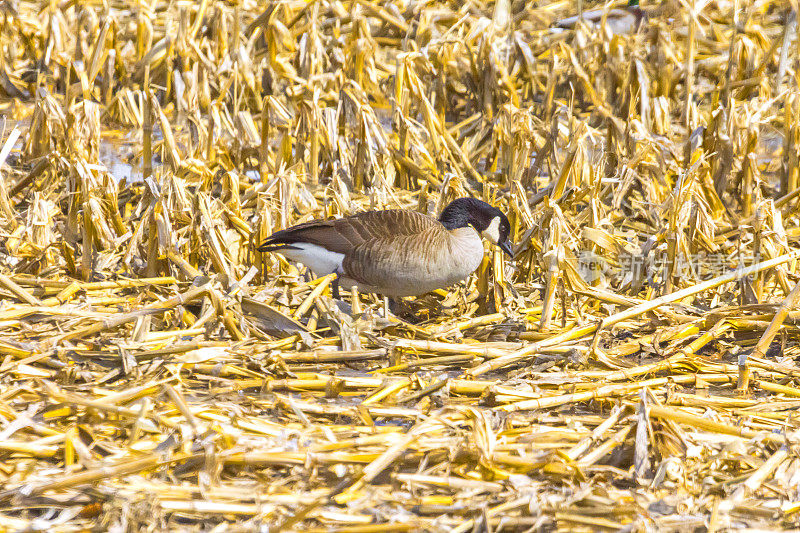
(343, 235)
(397, 262)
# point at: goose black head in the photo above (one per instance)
(486, 219)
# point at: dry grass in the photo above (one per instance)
(158, 372)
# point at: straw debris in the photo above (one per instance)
(633, 368)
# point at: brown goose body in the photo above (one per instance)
(392, 252)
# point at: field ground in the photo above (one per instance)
(634, 368)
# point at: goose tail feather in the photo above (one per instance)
(276, 243)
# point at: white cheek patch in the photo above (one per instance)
(492, 232)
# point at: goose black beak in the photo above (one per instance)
(506, 247)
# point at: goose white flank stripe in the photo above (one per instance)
(317, 258)
(395, 252)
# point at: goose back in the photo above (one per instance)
(342, 235)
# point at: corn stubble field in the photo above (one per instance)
(159, 373)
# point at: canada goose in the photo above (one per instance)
(395, 252)
(620, 21)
